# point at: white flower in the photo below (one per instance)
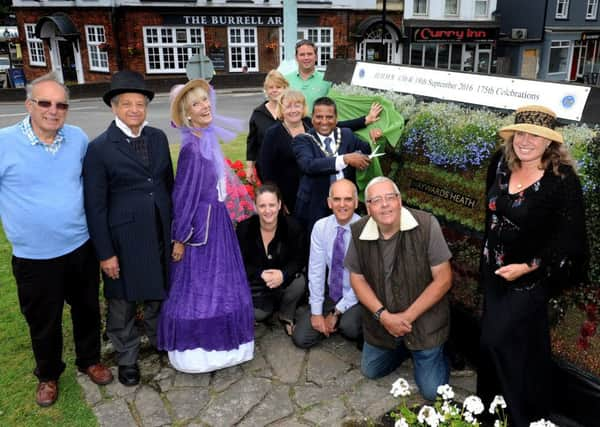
(429, 415)
(473, 404)
(449, 409)
(497, 423)
(468, 416)
(498, 401)
(400, 388)
(542, 423)
(401, 423)
(445, 391)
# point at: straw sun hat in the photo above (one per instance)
(533, 119)
(177, 94)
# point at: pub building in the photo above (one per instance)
(88, 40)
(452, 45)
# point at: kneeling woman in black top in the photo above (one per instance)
(273, 250)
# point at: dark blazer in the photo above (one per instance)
(278, 162)
(317, 169)
(286, 252)
(128, 209)
(260, 120)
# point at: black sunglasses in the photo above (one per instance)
(63, 106)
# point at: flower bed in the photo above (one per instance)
(440, 164)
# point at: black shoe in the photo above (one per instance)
(129, 375)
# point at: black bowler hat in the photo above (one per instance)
(127, 81)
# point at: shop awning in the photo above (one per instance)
(58, 24)
(372, 22)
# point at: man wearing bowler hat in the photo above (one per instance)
(128, 179)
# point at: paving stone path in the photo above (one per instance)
(282, 386)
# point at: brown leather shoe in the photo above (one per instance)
(46, 393)
(98, 373)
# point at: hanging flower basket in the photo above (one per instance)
(104, 47)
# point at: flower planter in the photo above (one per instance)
(576, 393)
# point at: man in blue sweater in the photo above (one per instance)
(41, 207)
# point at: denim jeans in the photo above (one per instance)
(430, 366)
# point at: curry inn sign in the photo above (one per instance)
(225, 20)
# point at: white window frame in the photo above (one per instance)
(560, 44)
(95, 35)
(420, 13)
(562, 9)
(456, 12)
(35, 47)
(247, 46)
(486, 4)
(162, 48)
(591, 11)
(322, 37)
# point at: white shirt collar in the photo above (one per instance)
(126, 129)
(371, 230)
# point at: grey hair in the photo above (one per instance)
(379, 180)
(354, 189)
(115, 99)
(49, 77)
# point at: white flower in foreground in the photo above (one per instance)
(497, 423)
(542, 423)
(445, 391)
(498, 401)
(468, 416)
(429, 415)
(400, 388)
(401, 423)
(474, 405)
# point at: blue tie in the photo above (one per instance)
(327, 142)
(336, 277)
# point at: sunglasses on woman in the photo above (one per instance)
(62, 106)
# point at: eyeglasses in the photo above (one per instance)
(62, 106)
(389, 198)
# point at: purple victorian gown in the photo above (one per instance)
(207, 321)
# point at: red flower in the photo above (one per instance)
(228, 161)
(241, 174)
(592, 312)
(583, 343)
(588, 329)
(237, 165)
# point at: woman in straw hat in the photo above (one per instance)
(207, 321)
(534, 244)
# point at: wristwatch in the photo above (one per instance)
(377, 314)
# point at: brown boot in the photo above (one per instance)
(46, 393)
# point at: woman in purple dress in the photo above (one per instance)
(207, 321)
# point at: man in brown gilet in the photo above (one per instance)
(400, 271)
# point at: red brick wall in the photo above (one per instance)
(127, 37)
(80, 19)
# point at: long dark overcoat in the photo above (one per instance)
(128, 205)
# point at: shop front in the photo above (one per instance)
(452, 46)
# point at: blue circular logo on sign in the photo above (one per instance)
(568, 101)
(361, 73)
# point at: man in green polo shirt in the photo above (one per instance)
(307, 79)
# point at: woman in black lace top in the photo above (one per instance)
(534, 245)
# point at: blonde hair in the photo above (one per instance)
(556, 154)
(187, 100)
(291, 95)
(274, 77)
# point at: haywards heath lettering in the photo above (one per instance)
(443, 193)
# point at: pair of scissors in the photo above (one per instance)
(375, 153)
